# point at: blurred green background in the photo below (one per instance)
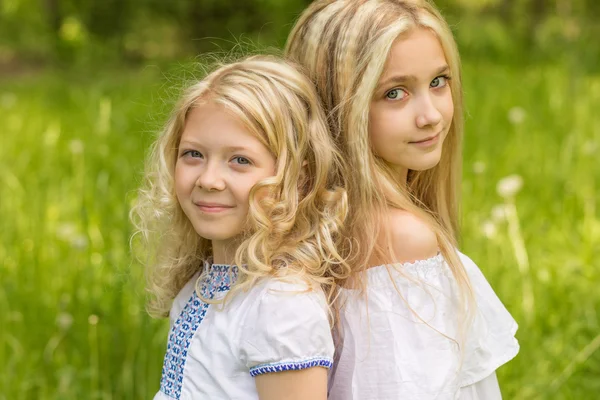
(85, 85)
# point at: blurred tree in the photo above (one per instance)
(124, 30)
(107, 19)
(54, 17)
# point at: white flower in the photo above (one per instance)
(66, 231)
(64, 321)
(79, 242)
(93, 319)
(489, 229)
(509, 186)
(76, 146)
(516, 115)
(479, 167)
(499, 213)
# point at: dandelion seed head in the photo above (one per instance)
(64, 321)
(79, 242)
(489, 229)
(66, 231)
(516, 115)
(479, 167)
(76, 146)
(499, 213)
(509, 186)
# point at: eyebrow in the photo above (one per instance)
(407, 78)
(234, 149)
(228, 149)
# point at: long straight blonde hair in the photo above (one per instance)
(345, 44)
(295, 217)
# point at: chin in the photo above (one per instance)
(215, 234)
(425, 164)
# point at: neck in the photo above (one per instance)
(402, 175)
(224, 251)
(399, 182)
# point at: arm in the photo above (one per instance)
(308, 383)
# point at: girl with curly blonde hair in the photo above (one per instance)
(241, 211)
(418, 320)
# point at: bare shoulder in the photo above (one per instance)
(411, 238)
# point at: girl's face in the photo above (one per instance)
(218, 163)
(411, 111)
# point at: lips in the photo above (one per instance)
(212, 207)
(427, 139)
(203, 204)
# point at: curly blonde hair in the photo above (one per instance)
(344, 44)
(294, 220)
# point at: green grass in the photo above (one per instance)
(71, 153)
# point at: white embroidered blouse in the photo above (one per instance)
(386, 352)
(214, 352)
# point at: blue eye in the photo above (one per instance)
(192, 153)
(241, 160)
(395, 94)
(439, 81)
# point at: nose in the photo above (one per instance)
(210, 178)
(427, 112)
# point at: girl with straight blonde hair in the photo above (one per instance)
(240, 212)
(418, 320)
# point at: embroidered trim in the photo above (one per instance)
(219, 278)
(422, 269)
(428, 268)
(291, 366)
(216, 278)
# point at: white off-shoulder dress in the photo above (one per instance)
(214, 352)
(385, 352)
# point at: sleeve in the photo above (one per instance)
(492, 340)
(286, 328)
(487, 389)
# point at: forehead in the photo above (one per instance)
(211, 125)
(417, 52)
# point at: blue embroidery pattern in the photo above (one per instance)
(218, 278)
(291, 366)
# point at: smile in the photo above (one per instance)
(212, 208)
(427, 141)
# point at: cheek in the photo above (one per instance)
(184, 180)
(387, 128)
(179, 178)
(241, 191)
(448, 108)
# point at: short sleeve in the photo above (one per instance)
(492, 340)
(286, 328)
